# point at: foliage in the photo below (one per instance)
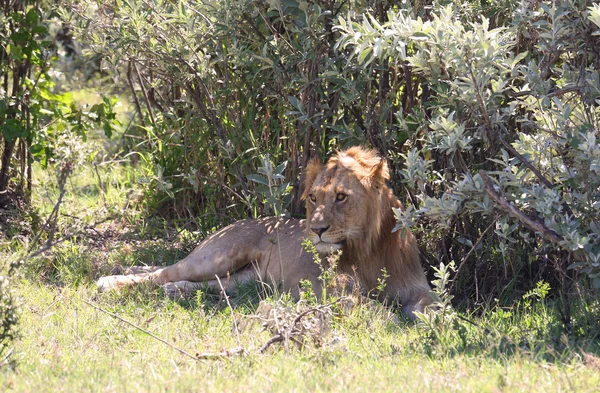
(272, 185)
(502, 136)
(219, 84)
(35, 119)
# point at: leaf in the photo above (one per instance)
(363, 55)
(296, 103)
(32, 17)
(280, 168)
(419, 36)
(518, 58)
(12, 129)
(107, 129)
(258, 179)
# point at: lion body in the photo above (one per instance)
(349, 207)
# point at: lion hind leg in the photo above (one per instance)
(418, 303)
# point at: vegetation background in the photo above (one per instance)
(132, 129)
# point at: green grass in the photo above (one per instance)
(67, 345)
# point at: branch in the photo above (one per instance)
(289, 333)
(145, 94)
(471, 250)
(532, 224)
(553, 93)
(133, 93)
(50, 245)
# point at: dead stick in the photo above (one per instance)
(235, 326)
(198, 356)
(534, 225)
(275, 339)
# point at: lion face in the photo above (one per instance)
(341, 198)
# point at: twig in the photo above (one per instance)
(145, 94)
(64, 238)
(554, 93)
(532, 224)
(198, 356)
(235, 325)
(4, 361)
(63, 176)
(100, 184)
(133, 93)
(471, 251)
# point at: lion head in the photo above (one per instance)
(347, 200)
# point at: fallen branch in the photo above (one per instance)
(532, 224)
(291, 332)
(199, 356)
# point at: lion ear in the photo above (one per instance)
(378, 175)
(313, 168)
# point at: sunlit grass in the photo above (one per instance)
(67, 345)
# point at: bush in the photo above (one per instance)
(219, 86)
(502, 156)
(34, 117)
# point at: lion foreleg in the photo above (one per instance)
(186, 289)
(108, 283)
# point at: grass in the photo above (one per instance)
(67, 345)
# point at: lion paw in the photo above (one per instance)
(107, 283)
(180, 289)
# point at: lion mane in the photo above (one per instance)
(349, 208)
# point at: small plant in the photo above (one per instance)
(271, 184)
(381, 283)
(9, 316)
(441, 309)
(440, 320)
(538, 293)
(327, 264)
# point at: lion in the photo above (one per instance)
(349, 208)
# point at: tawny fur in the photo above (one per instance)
(349, 207)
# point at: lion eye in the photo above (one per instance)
(312, 198)
(341, 197)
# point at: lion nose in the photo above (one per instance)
(320, 231)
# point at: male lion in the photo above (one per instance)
(349, 208)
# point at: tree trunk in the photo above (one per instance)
(5, 165)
